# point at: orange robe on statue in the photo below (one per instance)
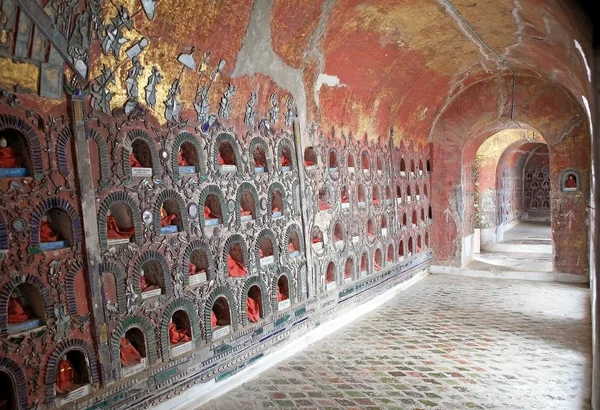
(236, 268)
(129, 354)
(145, 286)
(9, 158)
(570, 183)
(275, 210)
(221, 160)
(166, 219)
(316, 240)
(208, 214)
(47, 234)
(291, 247)
(178, 335)
(377, 267)
(308, 163)
(134, 162)
(245, 213)
(213, 319)
(66, 377)
(180, 160)
(323, 206)
(252, 309)
(280, 296)
(285, 162)
(114, 232)
(16, 312)
(259, 163)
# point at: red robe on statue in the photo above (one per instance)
(9, 158)
(208, 214)
(47, 234)
(145, 286)
(253, 310)
(308, 163)
(178, 335)
(316, 240)
(114, 232)
(66, 377)
(236, 268)
(129, 355)
(166, 219)
(134, 162)
(213, 319)
(16, 312)
(275, 209)
(180, 160)
(285, 162)
(280, 296)
(258, 163)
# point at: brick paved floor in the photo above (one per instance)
(448, 342)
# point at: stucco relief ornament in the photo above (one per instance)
(154, 79)
(132, 85)
(250, 114)
(114, 38)
(172, 106)
(225, 108)
(289, 113)
(101, 97)
(274, 111)
(202, 108)
(79, 43)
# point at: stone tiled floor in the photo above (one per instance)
(446, 343)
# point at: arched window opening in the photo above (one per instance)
(375, 193)
(254, 305)
(72, 374)
(8, 393)
(260, 159)
(351, 166)
(402, 167)
(428, 167)
(377, 260)
(220, 318)
(390, 254)
(333, 163)
(55, 230)
(317, 239)
(283, 293)
(170, 218)
(345, 197)
(140, 159)
(265, 252)
(310, 158)
(364, 265)
(348, 269)
(384, 226)
(362, 202)
(338, 236)
(330, 276)
(324, 199)
(26, 309)
(236, 265)
(15, 160)
(198, 267)
(247, 206)
(365, 163)
(187, 159)
(132, 352)
(152, 280)
(120, 228)
(180, 333)
(286, 159)
(227, 159)
(213, 215)
(294, 245)
(401, 251)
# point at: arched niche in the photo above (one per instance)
(377, 260)
(187, 157)
(412, 167)
(408, 193)
(570, 181)
(119, 221)
(15, 156)
(426, 239)
(423, 215)
(266, 248)
(200, 264)
(310, 159)
(170, 213)
(350, 163)
(220, 318)
(402, 167)
(294, 244)
(421, 167)
(362, 197)
(365, 163)
(415, 220)
(283, 292)
(61, 219)
(226, 154)
(11, 394)
(254, 304)
(410, 247)
(428, 165)
(404, 220)
(55, 230)
(348, 270)
(286, 159)
(25, 308)
(418, 192)
(375, 195)
(276, 200)
(181, 336)
(152, 275)
(384, 225)
(24, 141)
(401, 251)
(430, 213)
(398, 194)
(371, 230)
(330, 276)
(140, 156)
(133, 352)
(316, 236)
(75, 284)
(388, 195)
(332, 161)
(247, 200)
(339, 236)
(419, 244)
(379, 165)
(345, 198)
(235, 256)
(390, 254)
(324, 199)
(113, 285)
(364, 264)
(214, 209)
(259, 150)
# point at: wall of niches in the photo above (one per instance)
(368, 207)
(537, 184)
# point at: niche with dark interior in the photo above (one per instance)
(333, 163)
(428, 165)
(330, 274)
(377, 260)
(276, 204)
(418, 192)
(408, 194)
(8, 396)
(75, 377)
(370, 228)
(412, 167)
(236, 252)
(286, 159)
(227, 154)
(414, 218)
(123, 216)
(26, 309)
(348, 268)
(379, 165)
(384, 225)
(365, 163)
(15, 158)
(171, 219)
(419, 244)
(410, 246)
(390, 253)
(199, 259)
(375, 193)
(260, 159)
(345, 198)
(430, 213)
(310, 158)
(152, 280)
(212, 207)
(137, 339)
(364, 264)
(255, 294)
(316, 236)
(142, 153)
(266, 251)
(350, 160)
(294, 245)
(420, 167)
(361, 196)
(388, 195)
(422, 214)
(425, 190)
(247, 206)
(404, 219)
(58, 233)
(191, 160)
(338, 235)
(222, 313)
(402, 167)
(401, 251)
(398, 193)
(324, 199)
(183, 327)
(283, 288)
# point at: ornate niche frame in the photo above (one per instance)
(134, 322)
(564, 176)
(108, 202)
(183, 213)
(276, 186)
(127, 148)
(239, 164)
(257, 245)
(186, 137)
(214, 190)
(190, 309)
(139, 266)
(120, 284)
(293, 227)
(222, 291)
(19, 383)
(225, 253)
(254, 144)
(70, 288)
(33, 142)
(41, 210)
(291, 288)
(351, 255)
(203, 246)
(264, 294)
(247, 186)
(286, 143)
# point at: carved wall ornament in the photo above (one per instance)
(202, 106)
(249, 115)
(154, 79)
(289, 112)
(226, 103)
(132, 85)
(274, 111)
(172, 106)
(101, 96)
(114, 38)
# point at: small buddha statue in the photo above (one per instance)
(165, 218)
(114, 232)
(208, 213)
(291, 247)
(284, 161)
(243, 212)
(259, 163)
(145, 286)
(9, 158)
(275, 209)
(133, 162)
(253, 310)
(571, 182)
(280, 296)
(316, 240)
(128, 353)
(16, 312)
(308, 163)
(213, 319)
(181, 160)
(323, 206)
(67, 376)
(194, 270)
(236, 268)
(345, 197)
(377, 266)
(177, 335)
(47, 234)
